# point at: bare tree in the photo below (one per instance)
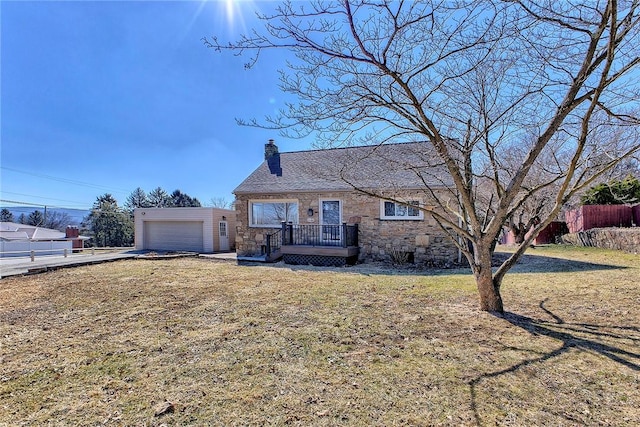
(220, 202)
(57, 220)
(522, 97)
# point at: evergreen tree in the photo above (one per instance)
(137, 199)
(180, 199)
(36, 218)
(6, 215)
(158, 198)
(22, 219)
(615, 192)
(111, 226)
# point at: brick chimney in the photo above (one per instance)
(72, 232)
(270, 149)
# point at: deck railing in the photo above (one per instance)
(274, 242)
(339, 235)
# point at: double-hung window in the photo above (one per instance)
(406, 211)
(271, 213)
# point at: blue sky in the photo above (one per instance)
(103, 97)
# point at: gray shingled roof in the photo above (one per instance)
(382, 167)
(15, 231)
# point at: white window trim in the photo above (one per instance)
(250, 208)
(420, 216)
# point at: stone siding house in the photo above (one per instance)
(337, 206)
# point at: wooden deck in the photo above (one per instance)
(330, 245)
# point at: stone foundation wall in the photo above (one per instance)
(624, 239)
(421, 241)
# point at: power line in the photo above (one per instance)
(47, 206)
(41, 197)
(66, 180)
(38, 205)
(20, 203)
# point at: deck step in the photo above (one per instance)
(274, 257)
(261, 258)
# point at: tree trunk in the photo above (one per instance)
(490, 299)
(489, 290)
(519, 232)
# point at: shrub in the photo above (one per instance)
(615, 192)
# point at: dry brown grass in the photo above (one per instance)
(256, 345)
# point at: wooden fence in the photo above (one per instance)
(598, 216)
(550, 234)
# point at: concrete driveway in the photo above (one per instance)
(16, 266)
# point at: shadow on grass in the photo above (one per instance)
(528, 263)
(545, 264)
(583, 336)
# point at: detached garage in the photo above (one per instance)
(174, 235)
(202, 230)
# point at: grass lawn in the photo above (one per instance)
(262, 345)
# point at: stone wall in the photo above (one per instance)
(379, 239)
(625, 239)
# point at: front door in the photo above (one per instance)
(330, 219)
(224, 236)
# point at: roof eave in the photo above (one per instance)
(344, 190)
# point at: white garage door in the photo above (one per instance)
(173, 235)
